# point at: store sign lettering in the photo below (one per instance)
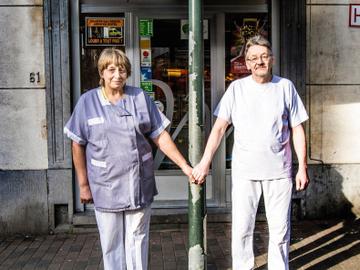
(354, 15)
(146, 27)
(104, 31)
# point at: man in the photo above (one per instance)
(264, 110)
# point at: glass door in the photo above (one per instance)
(163, 49)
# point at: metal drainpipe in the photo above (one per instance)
(196, 200)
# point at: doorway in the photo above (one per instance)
(159, 58)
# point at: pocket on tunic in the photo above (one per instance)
(98, 169)
(98, 163)
(97, 129)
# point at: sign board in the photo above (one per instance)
(145, 42)
(354, 15)
(146, 27)
(104, 31)
(146, 73)
(147, 86)
(145, 60)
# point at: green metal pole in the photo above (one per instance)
(196, 201)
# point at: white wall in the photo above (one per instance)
(333, 87)
(333, 83)
(23, 131)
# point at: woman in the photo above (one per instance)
(113, 160)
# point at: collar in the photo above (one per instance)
(103, 100)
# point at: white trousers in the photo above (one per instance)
(124, 238)
(245, 200)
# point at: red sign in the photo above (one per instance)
(354, 15)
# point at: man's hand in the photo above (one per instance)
(200, 172)
(301, 179)
(85, 194)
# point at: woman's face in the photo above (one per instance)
(114, 77)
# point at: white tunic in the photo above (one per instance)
(262, 115)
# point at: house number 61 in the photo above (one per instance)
(35, 77)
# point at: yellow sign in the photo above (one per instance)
(108, 31)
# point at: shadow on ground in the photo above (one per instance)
(320, 245)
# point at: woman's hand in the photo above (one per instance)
(187, 170)
(85, 194)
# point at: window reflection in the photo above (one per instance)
(169, 64)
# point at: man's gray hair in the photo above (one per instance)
(257, 40)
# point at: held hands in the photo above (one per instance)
(188, 171)
(302, 179)
(85, 194)
(200, 171)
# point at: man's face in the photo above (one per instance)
(260, 61)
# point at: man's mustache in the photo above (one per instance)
(260, 65)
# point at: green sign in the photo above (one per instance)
(146, 27)
(147, 86)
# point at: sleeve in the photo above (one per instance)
(297, 110)
(158, 120)
(76, 128)
(225, 106)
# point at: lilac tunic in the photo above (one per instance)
(118, 154)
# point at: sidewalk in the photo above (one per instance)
(316, 245)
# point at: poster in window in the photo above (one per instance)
(145, 60)
(146, 27)
(242, 28)
(147, 86)
(146, 73)
(105, 31)
(238, 65)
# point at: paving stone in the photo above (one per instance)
(315, 245)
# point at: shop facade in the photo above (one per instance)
(155, 38)
(59, 48)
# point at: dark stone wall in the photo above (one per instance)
(23, 200)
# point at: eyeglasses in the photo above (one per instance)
(112, 70)
(263, 57)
